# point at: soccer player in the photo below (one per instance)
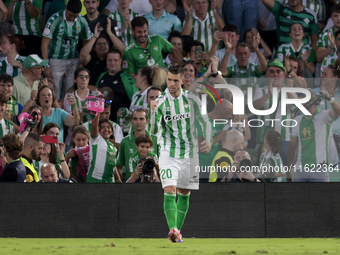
(175, 118)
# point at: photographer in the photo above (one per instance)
(143, 161)
(147, 171)
(13, 168)
(240, 173)
(311, 136)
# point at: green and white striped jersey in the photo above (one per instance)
(103, 161)
(174, 122)
(6, 127)
(285, 17)
(139, 100)
(318, 6)
(243, 78)
(323, 39)
(272, 160)
(314, 136)
(328, 60)
(203, 31)
(127, 35)
(6, 67)
(65, 35)
(22, 21)
(284, 131)
(117, 131)
(13, 107)
(288, 49)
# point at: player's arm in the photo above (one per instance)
(335, 111)
(155, 117)
(291, 156)
(205, 125)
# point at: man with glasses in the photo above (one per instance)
(28, 80)
(146, 50)
(121, 83)
(65, 28)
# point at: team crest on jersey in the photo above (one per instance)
(288, 17)
(155, 48)
(306, 21)
(47, 31)
(78, 28)
(115, 82)
(186, 105)
(125, 64)
(141, 56)
(167, 21)
(131, 150)
(168, 109)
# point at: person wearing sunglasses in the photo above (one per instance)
(146, 50)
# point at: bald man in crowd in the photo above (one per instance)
(225, 112)
(224, 158)
(49, 173)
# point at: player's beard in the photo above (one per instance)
(35, 156)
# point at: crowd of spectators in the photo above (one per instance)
(56, 56)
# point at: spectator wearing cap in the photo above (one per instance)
(107, 27)
(161, 22)
(263, 101)
(65, 28)
(293, 12)
(25, 16)
(28, 80)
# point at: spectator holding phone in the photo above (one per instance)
(248, 39)
(45, 99)
(200, 57)
(6, 126)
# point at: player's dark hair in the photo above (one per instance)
(139, 22)
(6, 78)
(176, 69)
(13, 145)
(191, 62)
(274, 139)
(115, 51)
(230, 28)
(144, 139)
(104, 120)
(50, 125)
(174, 34)
(141, 110)
(32, 139)
(335, 8)
(153, 88)
(74, 6)
(290, 28)
(3, 99)
(197, 43)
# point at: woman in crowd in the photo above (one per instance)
(103, 153)
(80, 155)
(190, 73)
(81, 91)
(46, 98)
(12, 62)
(298, 49)
(270, 160)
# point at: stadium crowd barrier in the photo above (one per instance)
(219, 210)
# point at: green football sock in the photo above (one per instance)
(182, 209)
(170, 210)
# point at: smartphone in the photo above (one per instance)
(50, 139)
(228, 34)
(198, 52)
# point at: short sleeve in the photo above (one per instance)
(166, 46)
(314, 29)
(312, 56)
(177, 24)
(121, 155)
(320, 42)
(128, 63)
(62, 113)
(85, 33)
(50, 27)
(230, 71)
(256, 72)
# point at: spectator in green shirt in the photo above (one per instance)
(146, 50)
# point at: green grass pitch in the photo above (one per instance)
(289, 246)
